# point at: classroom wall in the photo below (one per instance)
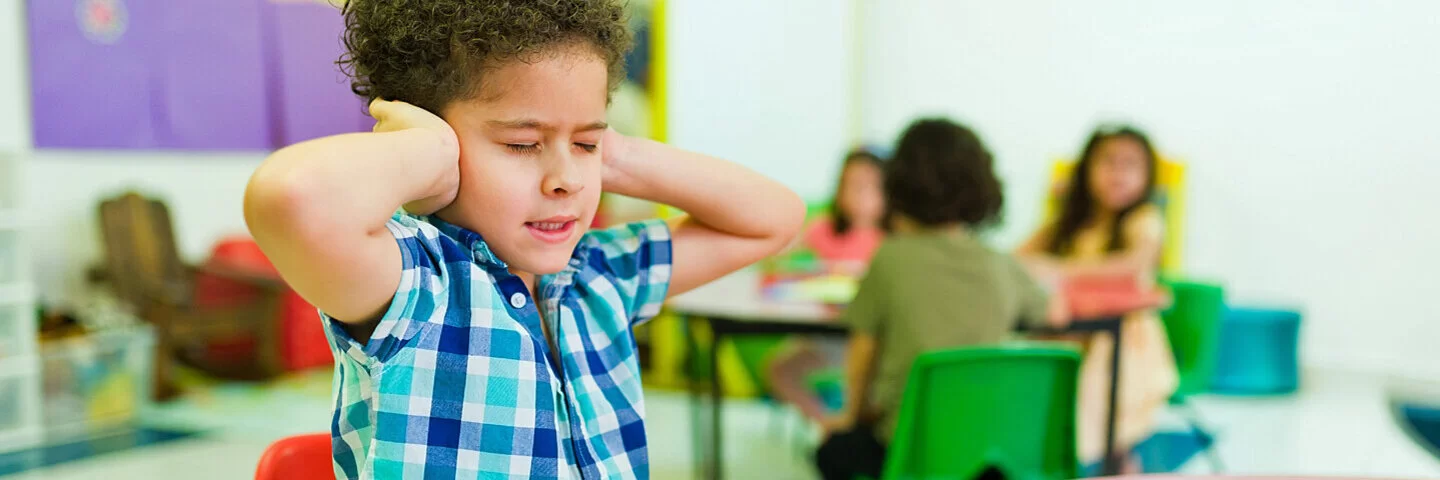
(61, 189)
(14, 101)
(1308, 127)
(762, 83)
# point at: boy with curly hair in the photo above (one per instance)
(481, 331)
(933, 285)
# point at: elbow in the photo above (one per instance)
(790, 219)
(274, 200)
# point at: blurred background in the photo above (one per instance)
(143, 336)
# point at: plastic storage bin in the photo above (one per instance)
(10, 184)
(10, 258)
(17, 329)
(96, 383)
(1259, 352)
(19, 403)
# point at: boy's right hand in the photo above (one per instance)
(394, 116)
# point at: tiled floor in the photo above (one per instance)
(1339, 425)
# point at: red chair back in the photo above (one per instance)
(301, 457)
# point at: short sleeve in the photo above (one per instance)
(866, 313)
(425, 255)
(1144, 226)
(1034, 302)
(637, 256)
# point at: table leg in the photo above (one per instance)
(698, 433)
(717, 458)
(1112, 464)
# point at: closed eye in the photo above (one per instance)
(523, 148)
(587, 147)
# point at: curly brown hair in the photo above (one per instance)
(432, 52)
(941, 173)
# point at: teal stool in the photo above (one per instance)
(1259, 352)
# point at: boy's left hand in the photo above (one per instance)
(614, 150)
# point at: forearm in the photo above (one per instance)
(718, 194)
(859, 365)
(351, 182)
(1110, 265)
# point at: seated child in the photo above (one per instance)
(1109, 226)
(482, 332)
(844, 241)
(932, 285)
(849, 236)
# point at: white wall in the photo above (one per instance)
(14, 78)
(1308, 127)
(765, 84)
(203, 192)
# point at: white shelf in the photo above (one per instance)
(15, 293)
(10, 219)
(21, 438)
(19, 366)
(20, 413)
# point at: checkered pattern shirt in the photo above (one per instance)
(458, 380)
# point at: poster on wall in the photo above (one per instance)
(311, 96)
(633, 108)
(637, 108)
(186, 74)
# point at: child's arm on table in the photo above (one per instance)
(735, 216)
(318, 209)
(1144, 235)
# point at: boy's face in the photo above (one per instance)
(530, 157)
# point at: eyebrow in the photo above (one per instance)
(529, 124)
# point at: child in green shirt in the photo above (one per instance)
(932, 285)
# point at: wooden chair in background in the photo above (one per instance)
(142, 265)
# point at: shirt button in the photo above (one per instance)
(517, 300)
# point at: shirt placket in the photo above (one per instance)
(524, 307)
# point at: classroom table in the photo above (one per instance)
(734, 306)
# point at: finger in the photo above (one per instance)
(380, 108)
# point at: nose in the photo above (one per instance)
(562, 176)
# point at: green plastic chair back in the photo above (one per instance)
(816, 210)
(755, 352)
(1193, 325)
(1010, 406)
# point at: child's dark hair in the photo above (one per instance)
(942, 173)
(1079, 203)
(840, 221)
(432, 52)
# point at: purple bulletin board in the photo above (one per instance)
(211, 75)
(312, 97)
(187, 74)
(90, 73)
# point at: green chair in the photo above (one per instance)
(1193, 324)
(1009, 407)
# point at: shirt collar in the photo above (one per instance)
(469, 239)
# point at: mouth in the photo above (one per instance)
(552, 230)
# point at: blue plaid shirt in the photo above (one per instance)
(457, 380)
